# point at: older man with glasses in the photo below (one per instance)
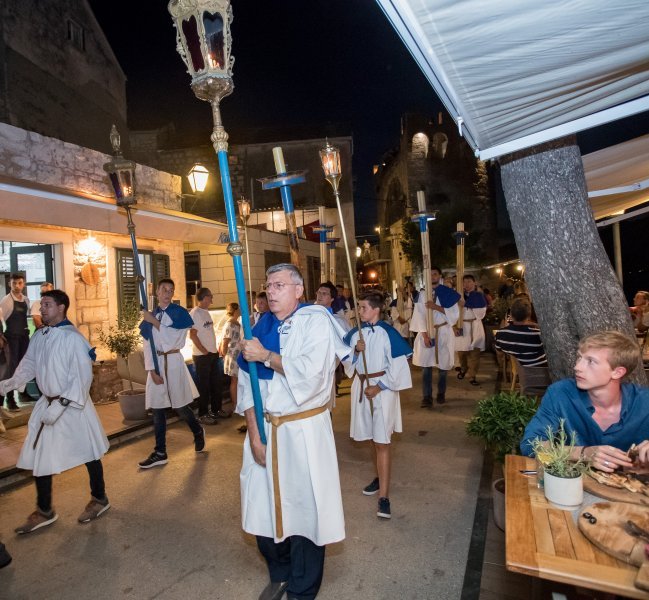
(290, 489)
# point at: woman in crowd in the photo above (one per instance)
(230, 347)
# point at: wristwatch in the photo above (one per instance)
(64, 401)
(267, 360)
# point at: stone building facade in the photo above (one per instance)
(56, 62)
(433, 157)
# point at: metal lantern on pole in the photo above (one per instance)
(121, 173)
(244, 213)
(203, 42)
(198, 176)
(330, 158)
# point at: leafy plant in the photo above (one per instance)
(124, 338)
(500, 420)
(554, 453)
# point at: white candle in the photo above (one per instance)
(278, 157)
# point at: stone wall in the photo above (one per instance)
(48, 161)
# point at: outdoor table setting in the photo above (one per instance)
(593, 546)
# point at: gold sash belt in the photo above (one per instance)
(276, 422)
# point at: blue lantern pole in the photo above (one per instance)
(203, 36)
(460, 236)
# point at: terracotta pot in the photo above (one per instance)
(132, 404)
(564, 493)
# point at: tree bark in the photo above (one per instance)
(569, 275)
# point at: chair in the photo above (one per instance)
(533, 380)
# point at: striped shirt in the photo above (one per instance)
(523, 342)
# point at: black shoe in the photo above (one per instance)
(208, 419)
(372, 488)
(461, 374)
(384, 509)
(474, 382)
(441, 399)
(199, 441)
(274, 590)
(154, 460)
(221, 414)
(427, 402)
(11, 404)
(5, 557)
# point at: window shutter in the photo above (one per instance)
(126, 278)
(160, 268)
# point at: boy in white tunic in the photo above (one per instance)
(376, 407)
(173, 386)
(290, 488)
(440, 351)
(64, 430)
(472, 341)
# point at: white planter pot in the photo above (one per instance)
(498, 497)
(566, 494)
(133, 405)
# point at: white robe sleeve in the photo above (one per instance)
(418, 321)
(451, 315)
(148, 358)
(244, 393)
(349, 365)
(397, 374)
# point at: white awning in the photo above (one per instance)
(517, 73)
(618, 177)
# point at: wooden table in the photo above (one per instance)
(545, 542)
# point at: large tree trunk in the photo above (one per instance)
(570, 277)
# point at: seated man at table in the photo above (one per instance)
(608, 416)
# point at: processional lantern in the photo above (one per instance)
(121, 173)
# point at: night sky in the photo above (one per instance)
(334, 65)
(319, 65)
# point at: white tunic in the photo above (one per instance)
(444, 336)
(387, 405)
(473, 336)
(310, 341)
(405, 313)
(178, 389)
(58, 358)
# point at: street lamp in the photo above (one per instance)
(244, 213)
(121, 173)
(203, 42)
(198, 176)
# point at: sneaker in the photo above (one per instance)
(154, 460)
(384, 509)
(94, 509)
(274, 590)
(221, 414)
(372, 488)
(37, 520)
(208, 420)
(199, 441)
(5, 557)
(427, 402)
(441, 399)
(11, 404)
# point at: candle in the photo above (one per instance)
(278, 157)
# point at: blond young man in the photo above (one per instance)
(607, 415)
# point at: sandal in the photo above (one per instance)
(461, 374)
(474, 382)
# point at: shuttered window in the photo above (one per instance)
(154, 267)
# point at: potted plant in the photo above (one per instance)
(499, 421)
(123, 339)
(562, 476)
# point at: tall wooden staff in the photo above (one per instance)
(284, 181)
(330, 157)
(422, 217)
(203, 42)
(460, 235)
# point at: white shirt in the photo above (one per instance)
(204, 327)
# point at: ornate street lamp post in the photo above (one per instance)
(203, 42)
(121, 173)
(244, 213)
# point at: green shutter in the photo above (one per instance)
(160, 269)
(126, 278)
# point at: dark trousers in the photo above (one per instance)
(160, 425)
(296, 560)
(209, 383)
(44, 486)
(427, 381)
(17, 348)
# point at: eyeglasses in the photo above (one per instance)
(278, 286)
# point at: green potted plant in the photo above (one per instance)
(562, 476)
(499, 421)
(123, 339)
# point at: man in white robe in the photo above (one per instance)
(290, 488)
(64, 430)
(375, 402)
(440, 351)
(173, 386)
(472, 341)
